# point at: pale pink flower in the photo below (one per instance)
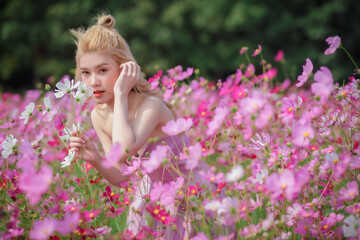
(215, 123)
(35, 184)
(253, 103)
(113, 157)
(200, 236)
(350, 192)
(194, 156)
(127, 170)
(307, 70)
(261, 142)
(225, 210)
(157, 156)
(283, 185)
(43, 229)
(334, 43)
(178, 74)
(180, 126)
(324, 83)
(68, 224)
(302, 133)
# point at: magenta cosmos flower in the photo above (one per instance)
(180, 126)
(307, 70)
(334, 43)
(323, 85)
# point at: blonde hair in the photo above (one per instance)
(103, 37)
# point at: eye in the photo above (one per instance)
(102, 70)
(84, 73)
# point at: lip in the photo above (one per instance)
(98, 93)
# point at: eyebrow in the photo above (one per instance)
(97, 66)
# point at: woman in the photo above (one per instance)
(126, 110)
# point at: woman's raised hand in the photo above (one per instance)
(129, 76)
(84, 149)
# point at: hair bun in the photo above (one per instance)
(107, 21)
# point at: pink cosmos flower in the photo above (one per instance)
(279, 56)
(113, 157)
(250, 70)
(227, 210)
(243, 50)
(283, 185)
(215, 123)
(168, 93)
(334, 43)
(157, 156)
(307, 70)
(302, 133)
(178, 74)
(194, 156)
(324, 83)
(303, 226)
(349, 192)
(200, 236)
(35, 184)
(43, 229)
(257, 51)
(68, 224)
(154, 81)
(180, 126)
(88, 215)
(252, 103)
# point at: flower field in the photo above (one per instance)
(268, 159)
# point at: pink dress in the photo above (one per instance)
(136, 221)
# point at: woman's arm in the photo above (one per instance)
(149, 113)
(86, 150)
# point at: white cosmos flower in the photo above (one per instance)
(67, 132)
(85, 89)
(80, 97)
(8, 144)
(47, 103)
(235, 174)
(68, 159)
(28, 112)
(351, 227)
(62, 88)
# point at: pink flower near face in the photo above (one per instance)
(180, 126)
(334, 43)
(302, 134)
(307, 70)
(324, 83)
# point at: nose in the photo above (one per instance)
(94, 81)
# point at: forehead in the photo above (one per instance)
(94, 59)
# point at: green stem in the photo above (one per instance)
(341, 46)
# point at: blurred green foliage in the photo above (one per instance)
(36, 44)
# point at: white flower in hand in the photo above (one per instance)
(8, 145)
(68, 159)
(28, 112)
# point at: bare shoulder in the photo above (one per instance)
(95, 117)
(155, 106)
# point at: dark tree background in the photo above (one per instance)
(207, 34)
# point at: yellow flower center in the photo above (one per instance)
(212, 179)
(112, 194)
(193, 191)
(283, 186)
(163, 218)
(91, 215)
(289, 110)
(255, 106)
(306, 134)
(326, 226)
(203, 114)
(156, 211)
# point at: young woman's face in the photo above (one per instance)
(99, 71)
